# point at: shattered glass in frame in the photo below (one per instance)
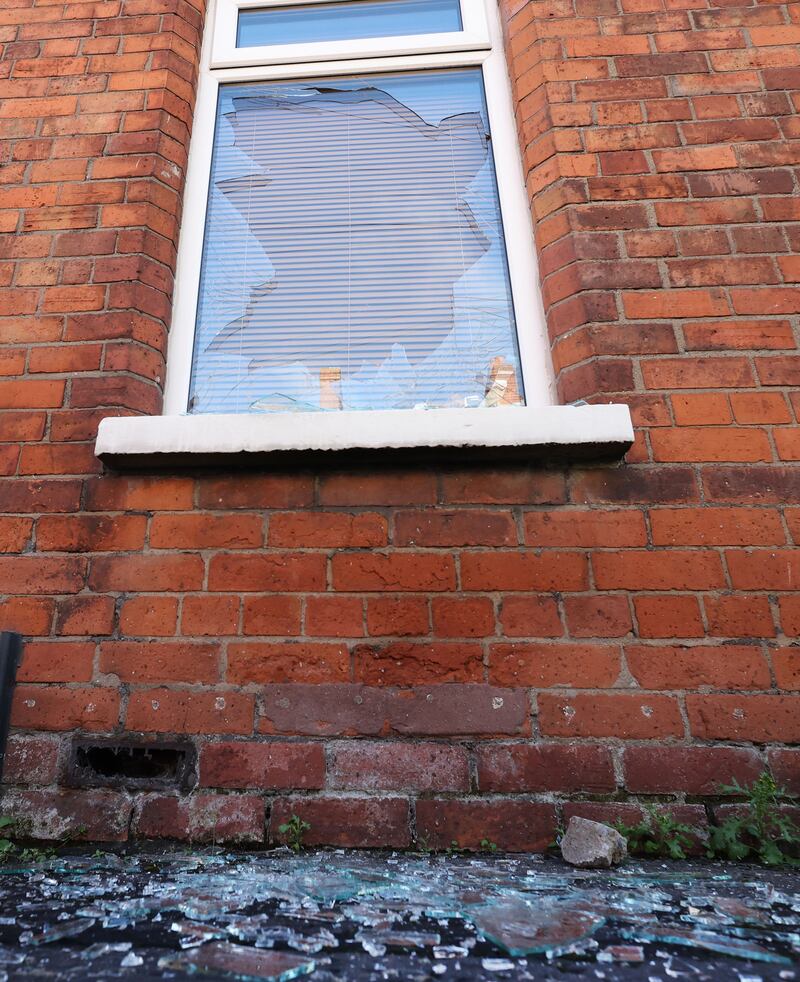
(354, 255)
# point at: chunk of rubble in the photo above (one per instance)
(591, 845)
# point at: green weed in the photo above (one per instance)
(761, 832)
(294, 831)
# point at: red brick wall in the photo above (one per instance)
(463, 654)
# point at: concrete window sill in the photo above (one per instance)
(571, 432)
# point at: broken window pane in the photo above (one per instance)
(354, 254)
(306, 23)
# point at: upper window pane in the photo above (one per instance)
(354, 254)
(308, 23)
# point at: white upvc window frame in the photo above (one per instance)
(479, 43)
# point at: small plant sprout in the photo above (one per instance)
(657, 834)
(294, 832)
(6, 844)
(761, 832)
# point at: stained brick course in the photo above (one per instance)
(508, 636)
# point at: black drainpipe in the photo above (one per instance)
(10, 651)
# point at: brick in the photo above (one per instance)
(262, 766)
(515, 826)
(462, 617)
(146, 572)
(56, 661)
(14, 534)
(716, 526)
(763, 569)
(668, 616)
(334, 617)
(790, 615)
(407, 663)
(321, 530)
(198, 711)
(454, 528)
(458, 710)
(578, 528)
(41, 575)
(42, 707)
(79, 816)
(364, 823)
(552, 664)
(371, 572)
(597, 616)
(785, 767)
(694, 770)
(160, 661)
(263, 662)
(255, 491)
(393, 766)
(658, 570)
(681, 667)
(139, 494)
(27, 615)
(269, 615)
(209, 616)
(398, 616)
(202, 818)
(630, 486)
(501, 570)
(752, 485)
(648, 305)
(709, 444)
(31, 394)
(787, 444)
(384, 489)
(322, 709)
(755, 718)
(85, 615)
(148, 616)
(479, 486)
(775, 300)
(627, 716)
(90, 533)
(30, 760)
(739, 617)
(712, 373)
(760, 407)
(525, 767)
(786, 664)
(534, 616)
(273, 571)
(199, 531)
(779, 370)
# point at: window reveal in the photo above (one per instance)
(354, 254)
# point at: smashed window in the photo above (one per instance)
(354, 255)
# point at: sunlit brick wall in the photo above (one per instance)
(412, 654)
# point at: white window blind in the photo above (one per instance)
(354, 254)
(345, 20)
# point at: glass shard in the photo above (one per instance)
(238, 962)
(55, 932)
(523, 930)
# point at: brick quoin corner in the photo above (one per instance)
(412, 654)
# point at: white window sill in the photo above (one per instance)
(572, 431)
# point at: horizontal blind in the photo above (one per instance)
(354, 254)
